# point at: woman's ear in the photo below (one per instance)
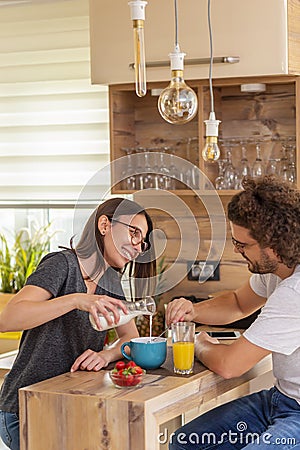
(103, 224)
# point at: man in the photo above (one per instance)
(265, 227)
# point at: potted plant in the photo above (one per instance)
(19, 260)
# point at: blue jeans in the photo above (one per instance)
(266, 420)
(9, 430)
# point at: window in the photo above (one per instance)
(54, 132)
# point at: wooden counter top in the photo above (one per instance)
(83, 410)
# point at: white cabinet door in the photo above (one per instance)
(254, 30)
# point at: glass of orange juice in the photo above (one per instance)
(183, 335)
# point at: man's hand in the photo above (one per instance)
(179, 310)
(201, 339)
(204, 337)
(222, 358)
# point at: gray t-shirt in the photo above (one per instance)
(277, 328)
(50, 349)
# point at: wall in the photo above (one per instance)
(266, 117)
(177, 239)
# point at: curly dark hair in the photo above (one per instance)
(270, 209)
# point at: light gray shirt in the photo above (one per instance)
(277, 328)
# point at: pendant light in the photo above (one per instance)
(137, 10)
(211, 151)
(178, 103)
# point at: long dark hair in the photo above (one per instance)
(92, 243)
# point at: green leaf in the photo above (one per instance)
(19, 261)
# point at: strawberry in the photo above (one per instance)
(130, 364)
(120, 365)
(137, 370)
(127, 374)
(136, 380)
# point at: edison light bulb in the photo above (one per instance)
(211, 151)
(177, 103)
(137, 9)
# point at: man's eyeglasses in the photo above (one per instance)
(135, 235)
(240, 246)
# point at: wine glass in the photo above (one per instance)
(292, 165)
(220, 182)
(230, 174)
(243, 169)
(272, 166)
(139, 177)
(161, 174)
(258, 168)
(128, 174)
(155, 167)
(173, 171)
(189, 176)
(165, 180)
(284, 163)
(148, 178)
(290, 152)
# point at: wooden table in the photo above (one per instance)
(84, 411)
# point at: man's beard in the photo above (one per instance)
(265, 265)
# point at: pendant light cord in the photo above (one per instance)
(212, 108)
(176, 23)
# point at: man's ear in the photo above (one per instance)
(103, 224)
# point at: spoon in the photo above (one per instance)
(161, 334)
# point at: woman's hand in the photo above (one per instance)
(179, 310)
(91, 361)
(101, 304)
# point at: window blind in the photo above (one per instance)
(54, 132)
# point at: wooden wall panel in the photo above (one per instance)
(254, 117)
(268, 117)
(293, 35)
(232, 275)
(136, 122)
(233, 269)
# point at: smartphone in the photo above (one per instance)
(224, 334)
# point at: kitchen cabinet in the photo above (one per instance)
(268, 118)
(264, 34)
(119, 418)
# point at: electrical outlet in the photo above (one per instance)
(203, 270)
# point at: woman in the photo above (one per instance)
(53, 307)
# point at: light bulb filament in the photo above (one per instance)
(139, 58)
(211, 151)
(137, 9)
(178, 103)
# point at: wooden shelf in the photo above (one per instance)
(261, 116)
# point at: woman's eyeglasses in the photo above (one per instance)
(135, 235)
